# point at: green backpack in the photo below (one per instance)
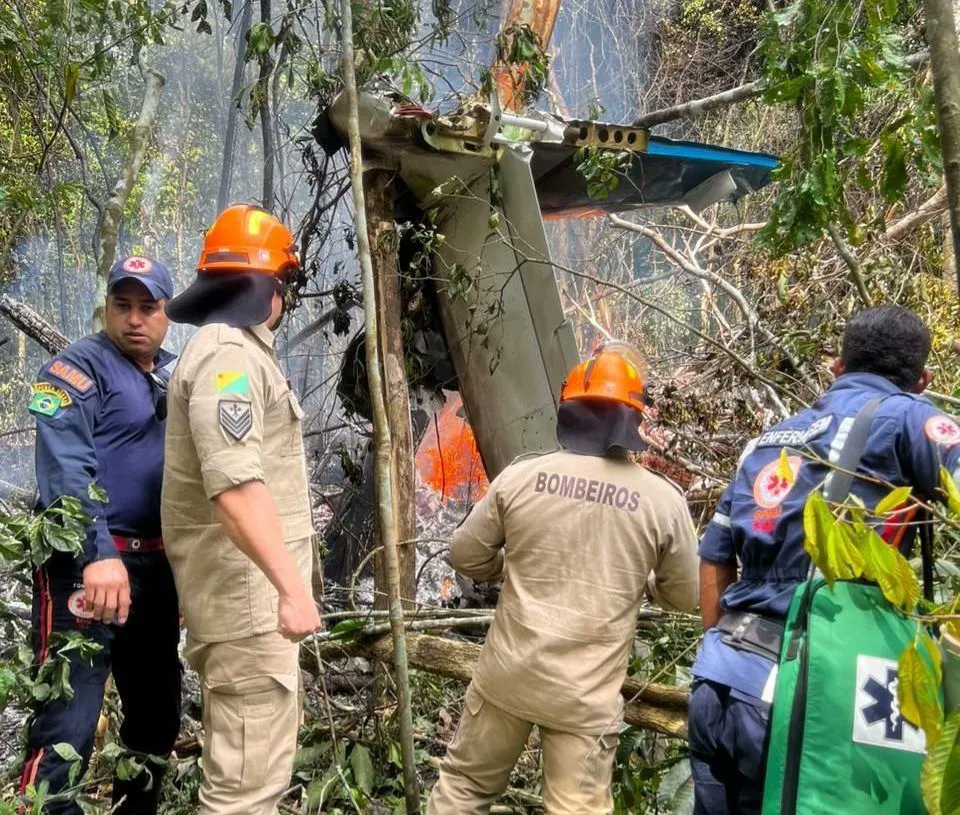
(838, 745)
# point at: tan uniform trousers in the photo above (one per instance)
(577, 768)
(250, 721)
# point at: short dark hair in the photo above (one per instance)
(890, 341)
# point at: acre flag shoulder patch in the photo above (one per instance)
(48, 399)
(236, 383)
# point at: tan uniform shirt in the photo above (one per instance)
(575, 538)
(232, 418)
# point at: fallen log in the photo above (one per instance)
(33, 325)
(650, 705)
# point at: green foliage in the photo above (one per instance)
(864, 119)
(60, 61)
(940, 779)
(519, 50)
(61, 527)
(260, 40)
(918, 687)
(843, 547)
(602, 169)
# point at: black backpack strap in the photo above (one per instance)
(926, 553)
(837, 485)
(836, 488)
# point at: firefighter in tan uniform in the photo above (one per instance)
(578, 536)
(236, 513)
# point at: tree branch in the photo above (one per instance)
(266, 117)
(229, 139)
(853, 265)
(698, 107)
(741, 93)
(694, 269)
(733, 355)
(33, 325)
(927, 211)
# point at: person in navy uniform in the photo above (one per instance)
(759, 524)
(100, 409)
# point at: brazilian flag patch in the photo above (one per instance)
(233, 382)
(48, 399)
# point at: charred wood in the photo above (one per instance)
(33, 325)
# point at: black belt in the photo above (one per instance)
(753, 633)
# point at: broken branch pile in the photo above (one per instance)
(650, 705)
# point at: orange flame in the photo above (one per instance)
(448, 460)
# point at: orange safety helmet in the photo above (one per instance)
(247, 258)
(245, 238)
(615, 373)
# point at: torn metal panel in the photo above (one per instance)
(665, 173)
(502, 315)
(554, 333)
(500, 306)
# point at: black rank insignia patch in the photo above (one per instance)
(236, 418)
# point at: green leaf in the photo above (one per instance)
(818, 521)
(950, 794)
(7, 681)
(128, 767)
(66, 751)
(918, 689)
(260, 39)
(932, 777)
(894, 179)
(949, 486)
(890, 570)
(71, 73)
(348, 630)
(843, 556)
(11, 548)
(97, 493)
(893, 500)
(362, 768)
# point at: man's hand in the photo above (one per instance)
(297, 616)
(106, 590)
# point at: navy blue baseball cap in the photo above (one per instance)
(151, 274)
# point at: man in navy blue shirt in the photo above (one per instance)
(758, 525)
(100, 409)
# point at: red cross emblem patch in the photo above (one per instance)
(942, 430)
(774, 482)
(137, 265)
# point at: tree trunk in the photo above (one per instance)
(383, 244)
(945, 64)
(229, 139)
(113, 211)
(266, 117)
(386, 454)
